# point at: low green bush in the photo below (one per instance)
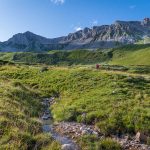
(108, 144)
(148, 141)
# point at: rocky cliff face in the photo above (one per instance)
(105, 36)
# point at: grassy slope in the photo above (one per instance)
(112, 101)
(146, 40)
(134, 55)
(126, 55)
(57, 57)
(19, 108)
(6, 56)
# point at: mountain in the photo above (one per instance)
(29, 41)
(105, 36)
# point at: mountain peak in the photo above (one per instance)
(146, 21)
(104, 36)
(28, 32)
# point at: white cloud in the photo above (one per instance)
(58, 1)
(77, 28)
(132, 6)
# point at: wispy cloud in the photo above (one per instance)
(58, 2)
(94, 22)
(132, 6)
(78, 28)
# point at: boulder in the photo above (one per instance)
(67, 147)
(141, 137)
(81, 128)
(84, 132)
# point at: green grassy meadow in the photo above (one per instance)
(127, 56)
(88, 90)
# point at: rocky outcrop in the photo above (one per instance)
(146, 22)
(105, 36)
(130, 143)
(76, 130)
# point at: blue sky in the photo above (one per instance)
(54, 18)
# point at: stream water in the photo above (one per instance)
(48, 127)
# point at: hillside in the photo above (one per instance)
(20, 127)
(131, 55)
(58, 57)
(115, 98)
(105, 36)
(127, 55)
(116, 103)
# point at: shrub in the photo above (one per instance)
(108, 144)
(115, 125)
(88, 142)
(71, 114)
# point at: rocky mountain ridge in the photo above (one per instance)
(105, 36)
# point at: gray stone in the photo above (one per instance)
(67, 147)
(140, 137)
(84, 132)
(95, 133)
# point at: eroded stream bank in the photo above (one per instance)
(48, 127)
